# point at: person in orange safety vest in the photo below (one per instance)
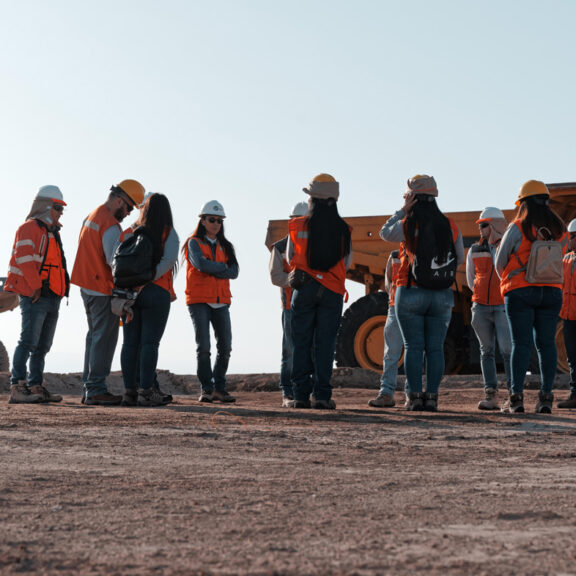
(210, 265)
(100, 235)
(568, 314)
(279, 270)
(319, 252)
(532, 307)
(151, 307)
(489, 319)
(37, 273)
(393, 344)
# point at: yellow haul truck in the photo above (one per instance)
(361, 335)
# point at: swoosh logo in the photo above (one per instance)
(435, 266)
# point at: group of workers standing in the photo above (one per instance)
(509, 305)
(38, 274)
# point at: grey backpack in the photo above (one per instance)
(545, 264)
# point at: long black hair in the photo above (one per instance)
(156, 222)
(328, 235)
(227, 246)
(427, 226)
(534, 213)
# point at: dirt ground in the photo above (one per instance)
(256, 489)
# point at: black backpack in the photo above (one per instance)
(427, 268)
(134, 262)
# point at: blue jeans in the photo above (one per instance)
(533, 316)
(490, 324)
(39, 321)
(142, 336)
(316, 313)
(101, 340)
(202, 316)
(424, 316)
(392, 353)
(287, 351)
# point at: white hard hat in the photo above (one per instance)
(299, 209)
(212, 208)
(491, 213)
(51, 192)
(572, 226)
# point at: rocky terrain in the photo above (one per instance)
(252, 488)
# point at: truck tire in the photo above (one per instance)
(4, 359)
(360, 341)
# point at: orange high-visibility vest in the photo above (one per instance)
(514, 275)
(91, 270)
(165, 281)
(202, 288)
(568, 311)
(395, 263)
(36, 258)
(334, 278)
(486, 282)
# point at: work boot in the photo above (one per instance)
(167, 397)
(430, 402)
(570, 402)
(45, 394)
(21, 394)
(223, 396)
(324, 404)
(382, 401)
(150, 397)
(103, 399)
(130, 398)
(544, 405)
(302, 404)
(206, 396)
(514, 405)
(287, 401)
(415, 402)
(489, 402)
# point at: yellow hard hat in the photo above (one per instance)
(323, 186)
(532, 188)
(324, 178)
(134, 190)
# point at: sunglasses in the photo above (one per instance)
(484, 225)
(214, 220)
(129, 206)
(58, 207)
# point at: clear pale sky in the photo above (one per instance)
(245, 101)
